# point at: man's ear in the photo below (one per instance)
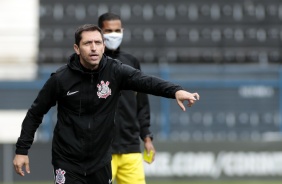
(76, 49)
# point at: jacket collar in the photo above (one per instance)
(75, 64)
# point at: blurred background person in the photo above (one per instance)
(132, 118)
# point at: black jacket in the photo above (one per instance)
(86, 103)
(133, 113)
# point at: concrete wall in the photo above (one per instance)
(19, 39)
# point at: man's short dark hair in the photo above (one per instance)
(86, 27)
(107, 17)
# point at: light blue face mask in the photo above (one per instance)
(113, 40)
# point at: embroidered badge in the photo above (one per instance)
(60, 176)
(103, 89)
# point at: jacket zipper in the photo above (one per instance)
(89, 124)
(91, 79)
(92, 76)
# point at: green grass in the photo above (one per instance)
(185, 182)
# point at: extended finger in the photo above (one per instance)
(180, 103)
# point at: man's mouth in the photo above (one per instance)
(94, 56)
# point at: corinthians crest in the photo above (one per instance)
(60, 176)
(103, 89)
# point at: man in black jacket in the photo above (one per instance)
(86, 91)
(132, 115)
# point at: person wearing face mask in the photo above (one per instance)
(133, 113)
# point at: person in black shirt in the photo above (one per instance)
(86, 92)
(132, 115)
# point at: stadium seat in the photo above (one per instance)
(232, 28)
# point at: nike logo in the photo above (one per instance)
(71, 93)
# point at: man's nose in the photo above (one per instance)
(93, 46)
